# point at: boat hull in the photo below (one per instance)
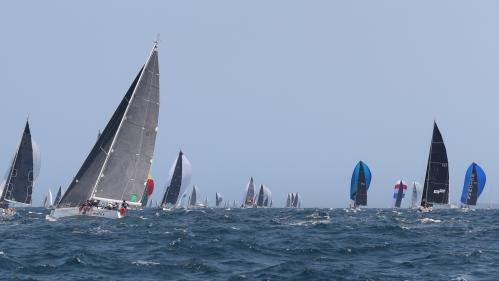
(75, 211)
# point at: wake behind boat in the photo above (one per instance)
(116, 170)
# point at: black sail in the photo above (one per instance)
(472, 196)
(173, 190)
(436, 185)
(400, 195)
(58, 196)
(19, 182)
(261, 195)
(361, 198)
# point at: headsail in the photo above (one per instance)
(436, 184)
(416, 194)
(399, 193)
(249, 194)
(474, 183)
(117, 167)
(361, 179)
(18, 183)
(179, 178)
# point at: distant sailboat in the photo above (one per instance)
(474, 183)
(416, 195)
(297, 201)
(218, 199)
(288, 200)
(399, 193)
(436, 184)
(249, 194)
(148, 190)
(117, 167)
(179, 179)
(361, 179)
(263, 196)
(17, 186)
(58, 196)
(47, 203)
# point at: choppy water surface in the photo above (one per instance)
(253, 244)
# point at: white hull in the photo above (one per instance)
(75, 211)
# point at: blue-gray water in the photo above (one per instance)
(253, 244)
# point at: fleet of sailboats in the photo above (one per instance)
(115, 176)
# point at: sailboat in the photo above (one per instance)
(58, 196)
(297, 201)
(218, 199)
(263, 196)
(17, 186)
(361, 179)
(193, 199)
(399, 193)
(179, 177)
(474, 183)
(249, 195)
(148, 190)
(416, 195)
(436, 184)
(293, 198)
(47, 203)
(288, 200)
(116, 169)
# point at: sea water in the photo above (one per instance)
(253, 244)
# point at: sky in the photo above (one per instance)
(292, 93)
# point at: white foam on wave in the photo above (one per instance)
(146, 263)
(430, 220)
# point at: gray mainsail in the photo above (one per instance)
(117, 167)
(21, 176)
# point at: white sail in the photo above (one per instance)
(416, 194)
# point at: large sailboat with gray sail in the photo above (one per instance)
(179, 179)
(116, 170)
(17, 186)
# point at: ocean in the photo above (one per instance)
(253, 244)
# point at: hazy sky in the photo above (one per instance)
(293, 93)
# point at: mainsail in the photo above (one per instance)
(474, 183)
(249, 194)
(179, 178)
(17, 186)
(399, 193)
(288, 201)
(218, 199)
(117, 167)
(47, 203)
(361, 179)
(416, 194)
(436, 184)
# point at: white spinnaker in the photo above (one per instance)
(416, 194)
